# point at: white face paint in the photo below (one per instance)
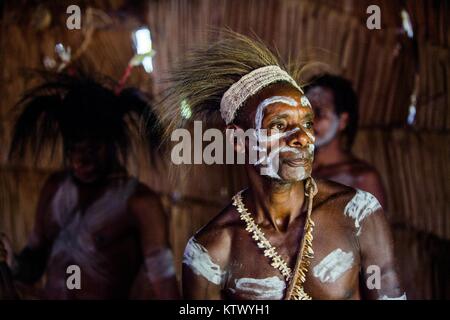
(261, 289)
(361, 206)
(333, 266)
(311, 136)
(305, 102)
(330, 134)
(402, 297)
(266, 102)
(159, 265)
(197, 258)
(272, 159)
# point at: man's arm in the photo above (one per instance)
(205, 263)
(29, 265)
(370, 181)
(7, 289)
(379, 274)
(156, 278)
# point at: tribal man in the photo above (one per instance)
(284, 237)
(335, 106)
(92, 216)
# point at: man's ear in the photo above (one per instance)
(238, 144)
(343, 121)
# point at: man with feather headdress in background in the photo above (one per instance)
(92, 217)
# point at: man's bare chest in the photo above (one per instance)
(333, 271)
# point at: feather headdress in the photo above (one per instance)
(71, 107)
(203, 77)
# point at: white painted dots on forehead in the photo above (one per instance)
(360, 207)
(333, 266)
(197, 258)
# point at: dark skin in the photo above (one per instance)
(279, 207)
(7, 289)
(332, 161)
(121, 242)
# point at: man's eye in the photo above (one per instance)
(278, 126)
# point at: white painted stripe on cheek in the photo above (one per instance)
(197, 258)
(361, 206)
(310, 136)
(333, 266)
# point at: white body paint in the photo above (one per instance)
(333, 266)
(402, 297)
(261, 289)
(75, 243)
(197, 258)
(361, 206)
(159, 265)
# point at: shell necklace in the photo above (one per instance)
(306, 252)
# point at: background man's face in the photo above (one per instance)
(288, 119)
(326, 121)
(88, 160)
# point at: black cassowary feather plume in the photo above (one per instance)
(77, 106)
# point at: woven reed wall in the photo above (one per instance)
(328, 35)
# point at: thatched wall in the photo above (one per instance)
(383, 64)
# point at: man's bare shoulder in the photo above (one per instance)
(216, 236)
(332, 193)
(360, 164)
(145, 204)
(362, 169)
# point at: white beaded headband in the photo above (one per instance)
(249, 85)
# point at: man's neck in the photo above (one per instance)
(330, 154)
(274, 201)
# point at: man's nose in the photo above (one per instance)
(299, 139)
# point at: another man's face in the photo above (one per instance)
(88, 160)
(326, 122)
(288, 118)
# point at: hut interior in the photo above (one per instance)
(402, 80)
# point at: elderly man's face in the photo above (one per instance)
(287, 117)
